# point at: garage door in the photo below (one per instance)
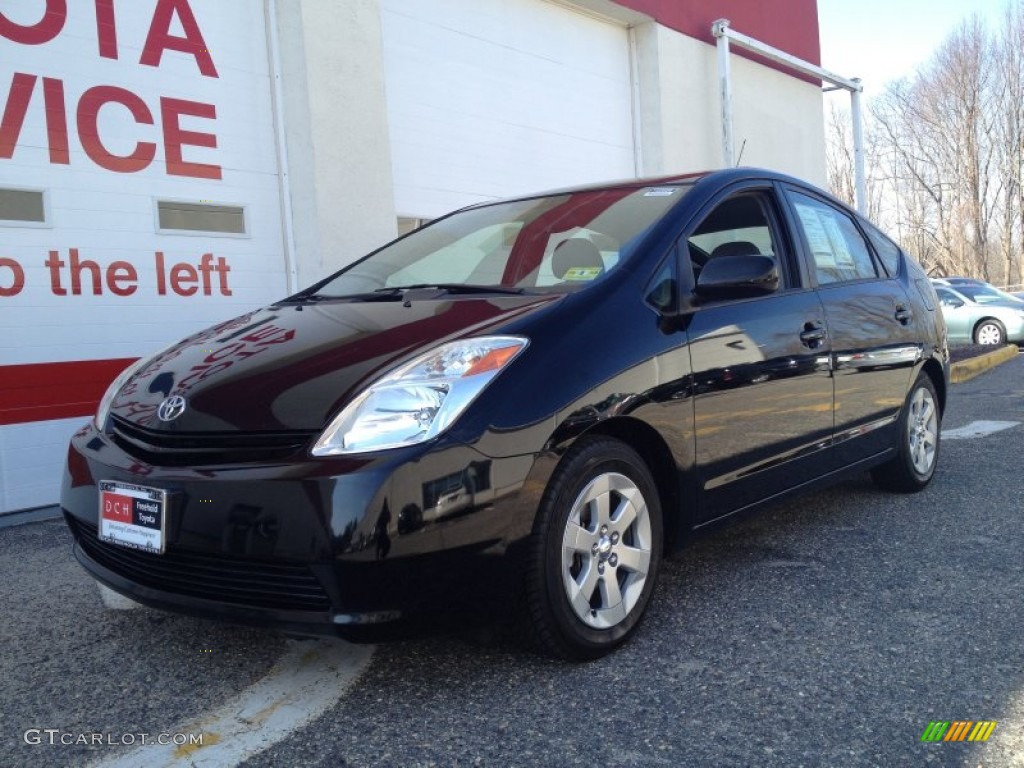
(139, 202)
(502, 97)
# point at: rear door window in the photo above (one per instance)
(838, 250)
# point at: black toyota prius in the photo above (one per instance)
(515, 410)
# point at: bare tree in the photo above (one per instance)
(840, 162)
(1010, 140)
(839, 154)
(940, 149)
(917, 162)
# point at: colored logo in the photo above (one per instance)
(958, 730)
(171, 408)
(117, 507)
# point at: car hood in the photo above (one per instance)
(293, 366)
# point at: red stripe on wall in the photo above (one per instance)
(791, 25)
(47, 391)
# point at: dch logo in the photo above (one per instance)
(171, 408)
(117, 507)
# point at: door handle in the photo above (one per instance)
(903, 315)
(812, 334)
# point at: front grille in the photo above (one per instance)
(181, 449)
(223, 578)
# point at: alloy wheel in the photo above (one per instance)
(922, 430)
(606, 550)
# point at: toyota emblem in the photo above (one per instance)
(171, 408)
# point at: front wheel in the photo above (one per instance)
(595, 551)
(917, 449)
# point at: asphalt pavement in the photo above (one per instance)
(829, 630)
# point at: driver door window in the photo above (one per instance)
(738, 226)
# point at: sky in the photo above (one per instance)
(881, 40)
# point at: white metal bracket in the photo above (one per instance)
(724, 35)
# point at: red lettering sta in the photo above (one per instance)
(106, 29)
(17, 277)
(160, 38)
(89, 107)
(48, 27)
(176, 137)
(13, 118)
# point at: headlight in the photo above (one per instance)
(103, 411)
(420, 399)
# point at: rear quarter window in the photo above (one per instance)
(888, 252)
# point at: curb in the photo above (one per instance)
(966, 370)
(32, 515)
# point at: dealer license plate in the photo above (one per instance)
(133, 516)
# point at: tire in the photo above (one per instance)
(917, 450)
(990, 332)
(594, 553)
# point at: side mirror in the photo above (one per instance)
(734, 277)
(954, 303)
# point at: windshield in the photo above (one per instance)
(986, 294)
(555, 243)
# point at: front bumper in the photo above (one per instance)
(1015, 331)
(337, 546)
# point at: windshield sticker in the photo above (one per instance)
(660, 191)
(582, 273)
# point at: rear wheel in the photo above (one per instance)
(917, 451)
(989, 332)
(595, 551)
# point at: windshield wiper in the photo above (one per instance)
(457, 288)
(397, 293)
(381, 294)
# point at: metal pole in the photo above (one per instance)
(721, 27)
(637, 106)
(281, 145)
(860, 184)
(724, 35)
(719, 30)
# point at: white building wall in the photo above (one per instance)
(336, 123)
(780, 117)
(500, 98)
(108, 214)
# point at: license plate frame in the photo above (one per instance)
(133, 516)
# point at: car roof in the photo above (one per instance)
(723, 176)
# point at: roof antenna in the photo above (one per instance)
(742, 147)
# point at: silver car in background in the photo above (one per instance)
(980, 314)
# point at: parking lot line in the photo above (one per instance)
(977, 429)
(310, 678)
